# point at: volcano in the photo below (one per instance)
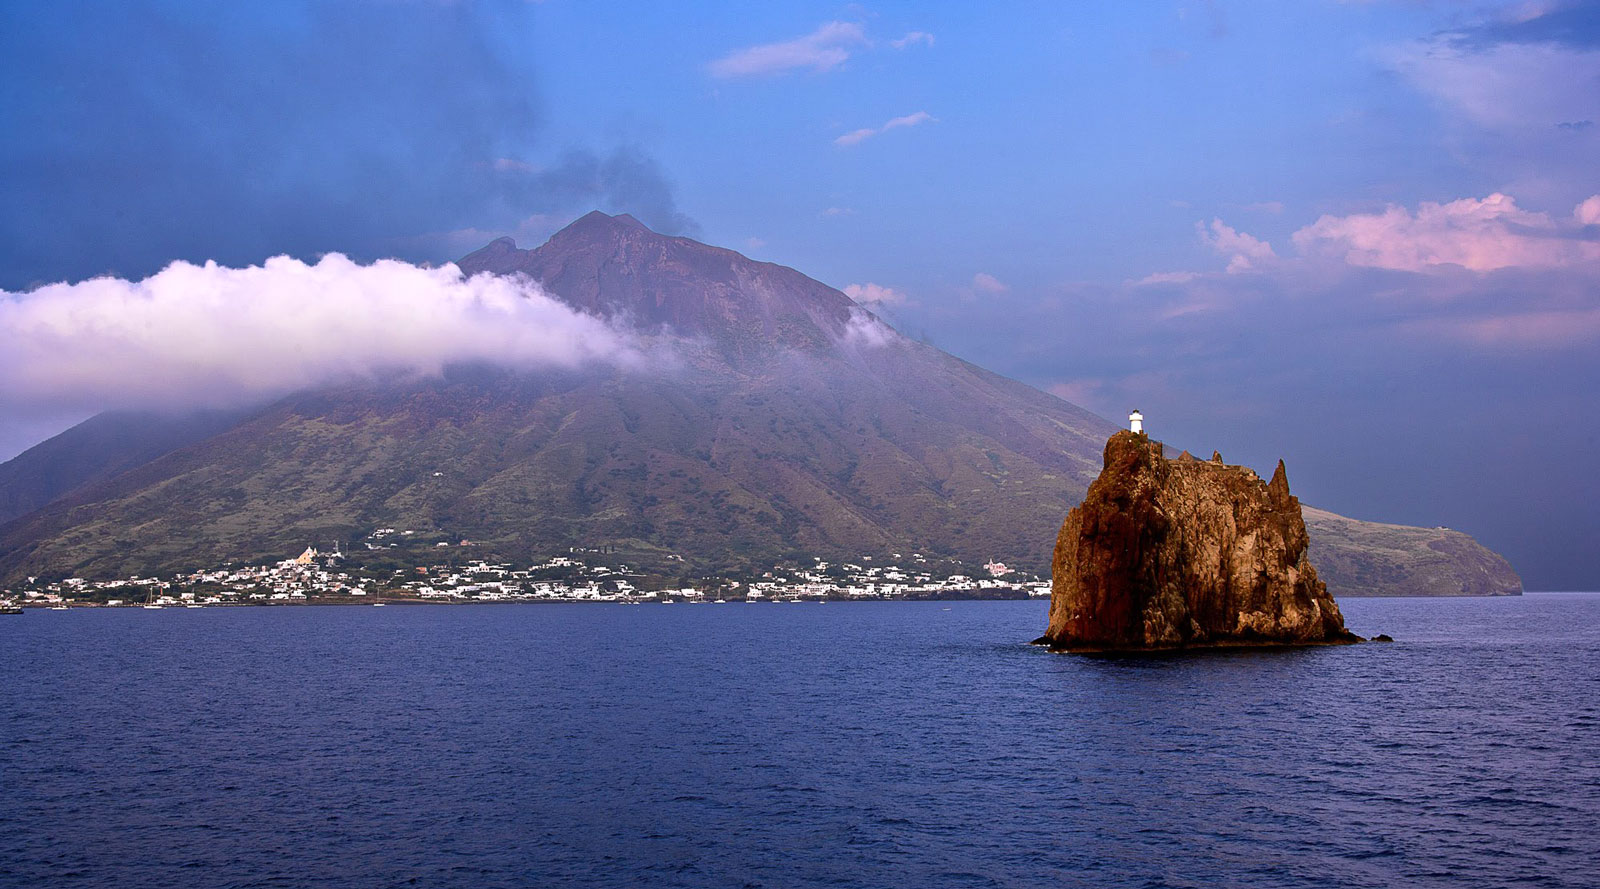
(771, 417)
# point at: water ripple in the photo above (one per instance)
(885, 745)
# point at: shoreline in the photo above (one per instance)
(344, 601)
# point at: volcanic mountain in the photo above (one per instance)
(770, 415)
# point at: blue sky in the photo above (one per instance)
(1353, 234)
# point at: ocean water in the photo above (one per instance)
(782, 745)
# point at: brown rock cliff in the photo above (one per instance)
(1185, 554)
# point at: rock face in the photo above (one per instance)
(1185, 553)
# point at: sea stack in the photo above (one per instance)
(1185, 553)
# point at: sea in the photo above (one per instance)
(891, 744)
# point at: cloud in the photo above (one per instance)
(864, 329)
(1272, 207)
(1588, 212)
(839, 211)
(822, 50)
(1480, 235)
(909, 120)
(1506, 86)
(1514, 92)
(874, 294)
(988, 283)
(1166, 278)
(912, 38)
(856, 137)
(209, 335)
(1533, 65)
(1244, 252)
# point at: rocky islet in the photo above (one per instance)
(1184, 553)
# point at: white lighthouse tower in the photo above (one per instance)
(1136, 421)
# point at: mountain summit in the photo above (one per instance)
(788, 420)
(615, 267)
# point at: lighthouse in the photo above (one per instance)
(1136, 422)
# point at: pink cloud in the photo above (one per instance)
(822, 50)
(989, 283)
(913, 38)
(1166, 278)
(856, 137)
(1480, 235)
(1494, 276)
(1588, 212)
(1244, 252)
(874, 294)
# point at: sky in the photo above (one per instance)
(1360, 236)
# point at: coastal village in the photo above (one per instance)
(327, 577)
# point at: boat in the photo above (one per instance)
(10, 609)
(378, 604)
(61, 607)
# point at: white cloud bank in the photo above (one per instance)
(208, 335)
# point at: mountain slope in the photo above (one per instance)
(97, 449)
(783, 418)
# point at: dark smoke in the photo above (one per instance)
(135, 134)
